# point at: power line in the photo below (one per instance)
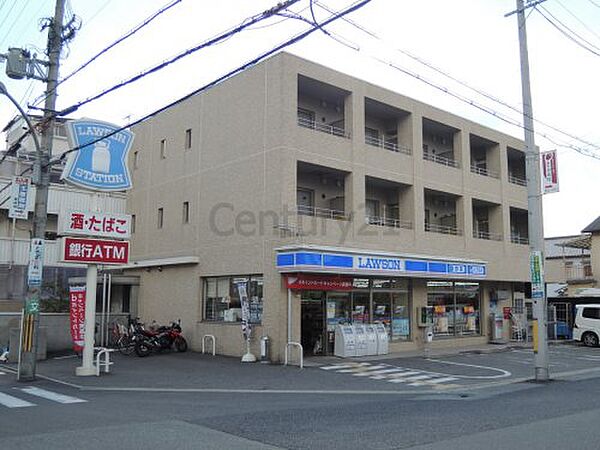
(355, 6)
(226, 35)
(114, 44)
(464, 84)
(597, 5)
(577, 19)
(589, 47)
(14, 22)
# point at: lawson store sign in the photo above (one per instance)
(373, 264)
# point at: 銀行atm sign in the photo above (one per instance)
(94, 251)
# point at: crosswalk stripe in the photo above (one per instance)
(441, 380)
(377, 373)
(403, 374)
(363, 369)
(13, 402)
(49, 395)
(2, 373)
(344, 366)
(410, 379)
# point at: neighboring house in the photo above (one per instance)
(368, 204)
(15, 234)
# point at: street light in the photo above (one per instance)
(30, 317)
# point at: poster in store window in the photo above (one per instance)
(400, 327)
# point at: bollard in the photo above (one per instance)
(265, 351)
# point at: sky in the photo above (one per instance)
(469, 40)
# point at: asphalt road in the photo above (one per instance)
(352, 412)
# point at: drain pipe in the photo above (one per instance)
(289, 327)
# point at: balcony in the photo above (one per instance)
(322, 127)
(517, 180)
(450, 162)
(477, 234)
(325, 213)
(579, 273)
(484, 172)
(16, 252)
(388, 222)
(519, 223)
(516, 239)
(386, 144)
(485, 156)
(487, 220)
(443, 229)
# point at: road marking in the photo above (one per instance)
(503, 373)
(363, 369)
(49, 395)
(403, 374)
(13, 402)
(340, 366)
(375, 374)
(441, 380)
(2, 373)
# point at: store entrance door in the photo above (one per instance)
(321, 311)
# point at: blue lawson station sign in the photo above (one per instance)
(358, 263)
(101, 165)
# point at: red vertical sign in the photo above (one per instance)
(77, 315)
(549, 172)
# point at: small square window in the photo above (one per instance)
(160, 217)
(163, 148)
(188, 138)
(135, 160)
(132, 223)
(186, 212)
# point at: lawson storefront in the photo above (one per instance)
(341, 285)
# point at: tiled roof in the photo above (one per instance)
(592, 227)
(566, 246)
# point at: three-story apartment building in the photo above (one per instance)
(351, 202)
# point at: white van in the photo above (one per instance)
(587, 325)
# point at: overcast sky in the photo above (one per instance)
(470, 40)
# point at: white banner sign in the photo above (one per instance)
(549, 172)
(36, 262)
(83, 223)
(19, 198)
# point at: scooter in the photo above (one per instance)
(164, 338)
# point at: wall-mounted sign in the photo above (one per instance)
(36, 262)
(19, 198)
(318, 282)
(94, 251)
(100, 165)
(108, 225)
(549, 172)
(311, 260)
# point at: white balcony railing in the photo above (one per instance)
(322, 212)
(579, 273)
(387, 145)
(516, 239)
(516, 180)
(484, 172)
(322, 127)
(443, 229)
(487, 236)
(388, 222)
(428, 156)
(16, 252)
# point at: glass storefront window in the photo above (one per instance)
(456, 308)
(360, 307)
(400, 316)
(222, 300)
(382, 309)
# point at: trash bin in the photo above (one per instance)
(428, 335)
(265, 351)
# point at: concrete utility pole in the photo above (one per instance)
(534, 206)
(30, 324)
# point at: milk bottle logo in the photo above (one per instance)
(101, 157)
(99, 161)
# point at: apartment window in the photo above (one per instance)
(188, 138)
(135, 160)
(223, 302)
(160, 217)
(132, 223)
(186, 212)
(163, 148)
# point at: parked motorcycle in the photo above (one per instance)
(163, 338)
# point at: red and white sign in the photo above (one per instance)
(77, 315)
(94, 251)
(549, 172)
(96, 224)
(318, 282)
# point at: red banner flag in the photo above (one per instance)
(77, 315)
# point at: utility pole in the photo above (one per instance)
(534, 207)
(30, 322)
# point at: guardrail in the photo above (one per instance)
(213, 340)
(444, 229)
(388, 222)
(484, 172)
(388, 145)
(519, 240)
(299, 347)
(322, 212)
(428, 156)
(322, 127)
